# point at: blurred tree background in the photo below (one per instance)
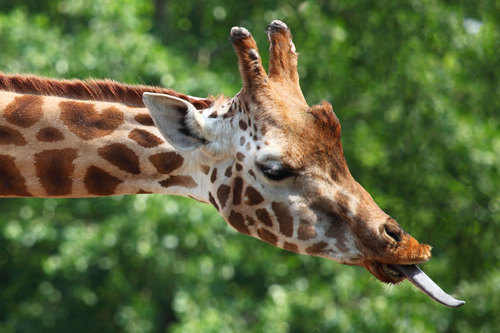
(416, 86)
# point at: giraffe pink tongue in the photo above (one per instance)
(416, 276)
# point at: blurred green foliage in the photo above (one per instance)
(416, 87)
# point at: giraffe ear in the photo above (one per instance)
(177, 120)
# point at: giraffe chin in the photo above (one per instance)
(397, 273)
(384, 272)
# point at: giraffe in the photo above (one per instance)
(271, 165)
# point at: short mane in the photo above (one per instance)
(96, 90)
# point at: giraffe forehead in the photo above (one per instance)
(316, 150)
(300, 137)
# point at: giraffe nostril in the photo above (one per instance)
(393, 232)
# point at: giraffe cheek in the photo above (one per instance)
(267, 236)
(237, 190)
(264, 217)
(284, 217)
(223, 194)
(252, 196)
(291, 247)
(306, 230)
(212, 200)
(237, 221)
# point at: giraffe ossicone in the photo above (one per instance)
(268, 162)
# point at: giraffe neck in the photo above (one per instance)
(59, 147)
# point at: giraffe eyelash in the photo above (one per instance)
(276, 171)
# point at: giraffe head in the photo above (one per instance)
(277, 169)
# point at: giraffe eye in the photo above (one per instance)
(275, 171)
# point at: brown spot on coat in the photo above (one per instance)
(99, 182)
(83, 120)
(306, 230)
(143, 192)
(49, 134)
(205, 169)
(54, 169)
(12, 183)
(11, 136)
(267, 236)
(229, 171)
(121, 157)
(253, 197)
(342, 203)
(337, 230)
(264, 217)
(242, 141)
(223, 194)
(213, 176)
(237, 190)
(144, 119)
(239, 167)
(166, 162)
(291, 247)
(251, 173)
(183, 181)
(240, 157)
(212, 201)
(316, 248)
(250, 220)
(24, 111)
(285, 219)
(238, 222)
(263, 128)
(243, 125)
(145, 138)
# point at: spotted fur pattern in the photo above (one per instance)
(56, 147)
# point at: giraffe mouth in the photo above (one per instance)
(397, 273)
